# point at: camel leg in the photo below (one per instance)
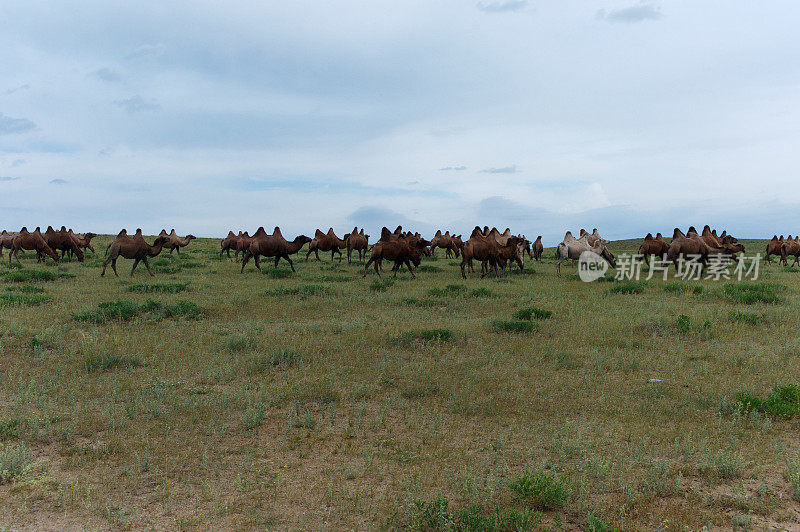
(286, 256)
(366, 266)
(178, 250)
(333, 252)
(558, 267)
(349, 251)
(257, 261)
(135, 262)
(114, 267)
(463, 274)
(147, 265)
(408, 264)
(245, 258)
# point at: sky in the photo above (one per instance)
(627, 116)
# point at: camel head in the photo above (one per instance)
(160, 240)
(302, 240)
(190, 237)
(606, 254)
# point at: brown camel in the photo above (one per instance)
(483, 246)
(402, 249)
(242, 243)
(133, 248)
(62, 241)
(790, 247)
(446, 242)
(83, 241)
(537, 248)
(774, 247)
(31, 241)
(6, 239)
(326, 242)
(653, 246)
(228, 243)
(274, 245)
(175, 242)
(357, 241)
(690, 244)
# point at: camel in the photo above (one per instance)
(593, 238)
(357, 241)
(326, 242)
(690, 244)
(653, 246)
(83, 241)
(175, 242)
(774, 247)
(228, 243)
(274, 245)
(402, 249)
(242, 243)
(572, 248)
(133, 248)
(446, 242)
(31, 241)
(537, 248)
(6, 240)
(790, 247)
(62, 241)
(483, 246)
(509, 253)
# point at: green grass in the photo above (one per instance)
(533, 313)
(14, 462)
(627, 287)
(278, 273)
(513, 326)
(397, 409)
(158, 288)
(29, 300)
(26, 276)
(749, 293)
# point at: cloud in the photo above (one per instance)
(8, 178)
(106, 74)
(630, 15)
(456, 168)
(374, 218)
(147, 50)
(17, 89)
(58, 181)
(17, 162)
(502, 7)
(136, 104)
(10, 125)
(512, 169)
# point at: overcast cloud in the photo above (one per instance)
(626, 116)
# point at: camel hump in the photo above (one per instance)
(691, 229)
(385, 233)
(583, 232)
(172, 232)
(568, 235)
(355, 230)
(318, 234)
(362, 231)
(138, 230)
(260, 231)
(230, 234)
(438, 232)
(781, 235)
(64, 228)
(774, 237)
(277, 232)
(649, 236)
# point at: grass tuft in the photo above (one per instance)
(540, 490)
(29, 300)
(749, 293)
(104, 361)
(627, 287)
(532, 313)
(158, 288)
(513, 326)
(783, 401)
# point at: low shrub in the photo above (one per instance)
(540, 490)
(783, 401)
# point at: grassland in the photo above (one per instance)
(206, 398)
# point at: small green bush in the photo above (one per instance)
(25, 276)
(381, 285)
(26, 289)
(783, 401)
(540, 490)
(14, 462)
(165, 288)
(627, 287)
(278, 273)
(425, 335)
(749, 318)
(105, 361)
(532, 313)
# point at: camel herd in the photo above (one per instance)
(494, 250)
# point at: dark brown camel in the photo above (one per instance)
(62, 241)
(790, 247)
(242, 243)
(356, 241)
(83, 241)
(399, 248)
(133, 248)
(274, 245)
(690, 244)
(326, 242)
(31, 241)
(483, 246)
